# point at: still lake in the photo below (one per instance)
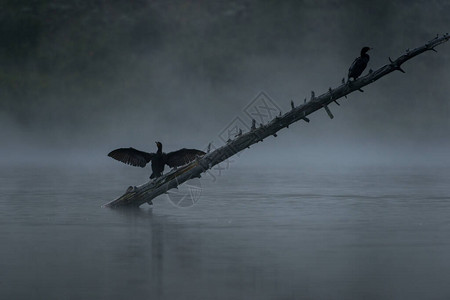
(280, 233)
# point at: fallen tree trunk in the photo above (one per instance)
(136, 196)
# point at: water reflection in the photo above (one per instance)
(315, 235)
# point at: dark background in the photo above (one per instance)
(80, 78)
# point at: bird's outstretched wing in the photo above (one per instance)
(132, 156)
(182, 157)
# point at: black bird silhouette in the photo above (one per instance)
(359, 64)
(159, 159)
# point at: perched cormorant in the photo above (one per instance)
(138, 158)
(359, 64)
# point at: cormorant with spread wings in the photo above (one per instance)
(159, 159)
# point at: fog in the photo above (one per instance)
(78, 80)
(350, 208)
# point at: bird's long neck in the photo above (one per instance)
(159, 150)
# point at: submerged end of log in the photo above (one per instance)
(135, 196)
(127, 199)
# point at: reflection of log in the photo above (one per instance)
(135, 196)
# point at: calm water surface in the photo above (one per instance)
(315, 233)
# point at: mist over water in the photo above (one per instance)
(94, 77)
(350, 208)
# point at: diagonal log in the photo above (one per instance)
(136, 196)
